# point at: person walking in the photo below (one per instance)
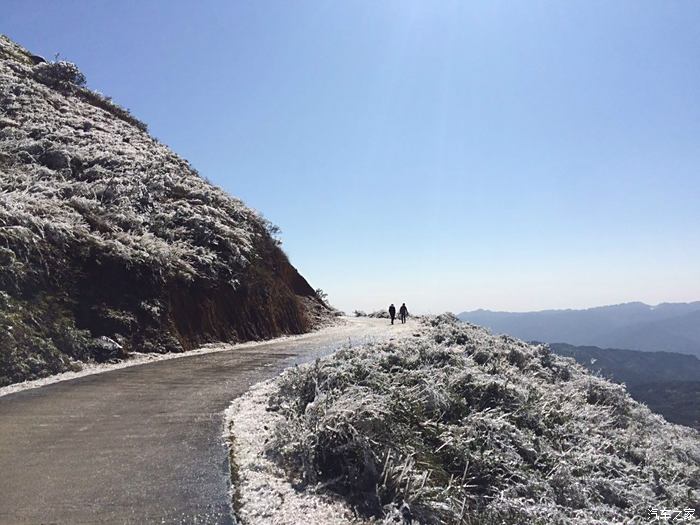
(403, 313)
(392, 312)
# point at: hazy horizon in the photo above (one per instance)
(512, 157)
(372, 307)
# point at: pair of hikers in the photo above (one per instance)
(403, 313)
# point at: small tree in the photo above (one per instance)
(59, 74)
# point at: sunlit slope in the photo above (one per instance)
(109, 242)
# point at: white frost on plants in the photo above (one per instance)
(456, 425)
(262, 494)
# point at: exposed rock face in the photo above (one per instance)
(107, 235)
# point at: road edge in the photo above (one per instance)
(138, 359)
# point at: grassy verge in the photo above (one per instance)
(458, 426)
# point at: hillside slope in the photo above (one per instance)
(632, 366)
(668, 383)
(680, 333)
(109, 242)
(669, 327)
(456, 426)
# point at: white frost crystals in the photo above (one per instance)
(262, 495)
(64, 171)
(457, 426)
(98, 219)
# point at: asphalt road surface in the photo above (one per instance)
(142, 444)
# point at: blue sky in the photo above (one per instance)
(452, 155)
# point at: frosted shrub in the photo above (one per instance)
(458, 426)
(59, 74)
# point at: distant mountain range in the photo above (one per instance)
(671, 327)
(668, 383)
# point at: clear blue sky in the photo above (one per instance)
(453, 155)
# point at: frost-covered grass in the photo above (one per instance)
(261, 495)
(380, 314)
(455, 425)
(106, 232)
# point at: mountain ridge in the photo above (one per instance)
(636, 326)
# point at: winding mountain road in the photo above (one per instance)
(142, 444)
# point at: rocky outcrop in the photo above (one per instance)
(111, 243)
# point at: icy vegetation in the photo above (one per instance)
(260, 492)
(377, 314)
(455, 425)
(109, 242)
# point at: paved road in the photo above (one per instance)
(141, 444)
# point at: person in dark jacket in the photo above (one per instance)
(392, 312)
(403, 313)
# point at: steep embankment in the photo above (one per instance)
(109, 242)
(455, 425)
